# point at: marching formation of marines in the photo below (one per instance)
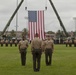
(70, 42)
(7, 42)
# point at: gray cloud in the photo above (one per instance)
(65, 8)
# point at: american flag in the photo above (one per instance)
(36, 24)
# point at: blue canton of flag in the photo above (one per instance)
(32, 16)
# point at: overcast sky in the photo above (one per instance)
(65, 8)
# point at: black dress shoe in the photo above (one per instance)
(37, 70)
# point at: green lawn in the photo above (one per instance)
(63, 62)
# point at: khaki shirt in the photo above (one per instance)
(6, 41)
(2, 41)
(48, 44)
(15, 41)
(36, 43)
(43, 45)
(70, 41)
(75, 41)
(23, 44)
(11, 41)
(66, 41)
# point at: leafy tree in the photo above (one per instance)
(51, 32)
(24, 32)
(60, 34)
(12, 33)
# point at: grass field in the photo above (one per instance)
(63, 62)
